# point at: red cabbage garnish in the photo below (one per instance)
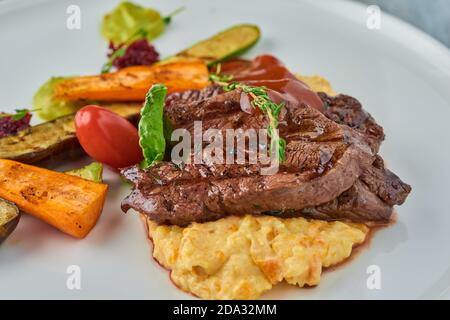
(13, 123)
(138, 53)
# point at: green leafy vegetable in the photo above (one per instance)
(151, 126)
(127, 18)
(47, 106)
(92, 172)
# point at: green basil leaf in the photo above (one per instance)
(151, 126)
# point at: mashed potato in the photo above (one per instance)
(241, 257)
(317, 84)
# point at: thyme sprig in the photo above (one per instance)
(261, 100)
(167, 19)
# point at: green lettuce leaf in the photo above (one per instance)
(47, 106)
(128, 18)
(92, 172)
(151, 126)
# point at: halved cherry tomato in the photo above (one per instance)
(107, 137)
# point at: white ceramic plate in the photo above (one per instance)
(401, 75)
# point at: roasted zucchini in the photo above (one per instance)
(9, 218)
(226, 44)
(53, 137)
(92, 172)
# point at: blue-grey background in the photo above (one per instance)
(432, 16)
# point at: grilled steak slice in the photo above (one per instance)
(202, 200)
(179, 195)
(385, 184)
(323, 159)
(347, 110)
(184, 108)
(370, 199)
(192, 96)
(357, 204)
(224, 111)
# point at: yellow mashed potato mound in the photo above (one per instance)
(242, 257)
(317, 84)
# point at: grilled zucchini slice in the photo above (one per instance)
(53, 137)
(9, 218)
(227, 44)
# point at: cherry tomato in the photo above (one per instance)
(107, 137)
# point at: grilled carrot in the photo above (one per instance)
(132, 83)
(69, 203)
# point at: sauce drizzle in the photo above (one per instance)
(268, 71)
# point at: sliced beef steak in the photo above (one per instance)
(184, 108)
(203, 199)
(323, 159)
(370, 199)
(347, 110)
(331, 170)
(385, 184)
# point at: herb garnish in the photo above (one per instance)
(151, 126)
(19, 115)
(261, 100)
(139, 34)
(167, 19)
